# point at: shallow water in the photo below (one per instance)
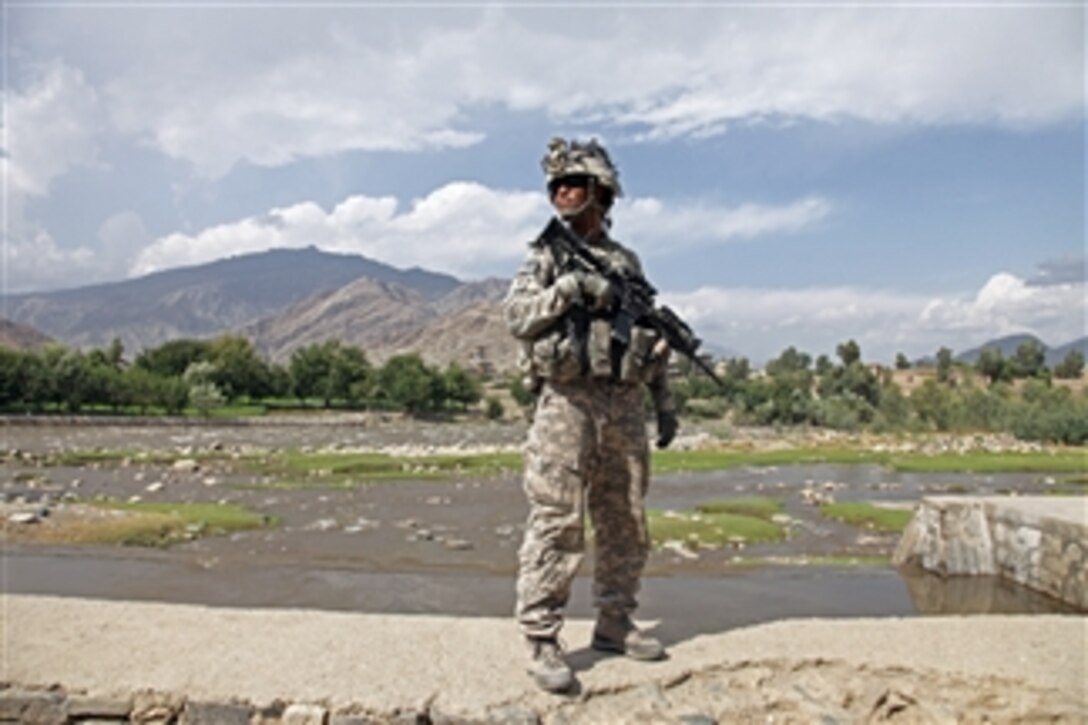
(363, 548)
(679, 607)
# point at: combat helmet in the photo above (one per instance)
(578, 158)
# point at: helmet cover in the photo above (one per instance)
(581, 159)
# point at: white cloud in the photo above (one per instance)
(35, 262)
(762, 322)
(51, 127)
(462, 228)
(269, 85)
(655, 227)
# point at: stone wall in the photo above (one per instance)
(1040, 542)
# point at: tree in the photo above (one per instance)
(69, 371)
(520, 392)
(349, 373)
(854, 379)
(115, 353)
(1029, 360)
(944, 366)
(203, 393)
(140, 388)
(1071, 367)
(309, 370)
(901, 362)
(406, 382)
(204, 397)
(791, 360)
(738, 369)
(172, 393)
(849, 352)
(173, 358)
(936, 405)
(330, 371)
(238, 370)
(824, 366)
(992, 364)
(459, 387)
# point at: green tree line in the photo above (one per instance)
(206, 374)
(995, 394)
(1015, 394)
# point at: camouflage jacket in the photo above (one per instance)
(536, 309)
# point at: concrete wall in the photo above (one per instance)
(1040, 542)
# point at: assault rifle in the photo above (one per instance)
(633, 303)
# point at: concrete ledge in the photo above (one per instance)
(1040, 541)
(222, 663)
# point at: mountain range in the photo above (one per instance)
(284, 299)
(281, 299)
(1008, 345)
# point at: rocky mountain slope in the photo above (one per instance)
(205, 299)
(20, 337)
(474, 336)
(385, 319)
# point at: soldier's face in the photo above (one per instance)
(570, 194)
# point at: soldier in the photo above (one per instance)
(587, 443)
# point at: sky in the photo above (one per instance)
(907, 175)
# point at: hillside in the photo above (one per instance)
(20, 337)
(475, 336)
(385, 319)
(365, 313)
(205, 299)
(1008, 345)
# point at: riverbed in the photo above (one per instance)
(449, 546)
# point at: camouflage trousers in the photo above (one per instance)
(587, 445)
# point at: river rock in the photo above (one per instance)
(211, 713)
(24, 517)
(83, 708)
(459, 545)
(185, 465)
(304, 714)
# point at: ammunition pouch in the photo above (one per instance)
(557, 357)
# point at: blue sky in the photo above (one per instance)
(907, 175)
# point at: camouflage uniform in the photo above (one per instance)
(587, 442)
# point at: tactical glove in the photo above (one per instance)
(569, 287)
(667, 425)
(596, 290)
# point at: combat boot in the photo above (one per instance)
(549, 670)
(617, 633)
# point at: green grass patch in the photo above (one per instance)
(1065, 461)
(1072, 461)
(712, 530)
(860, 513)
(338, 469)
(669, 461)
(761, 507)
(335, 468)
(161, 524)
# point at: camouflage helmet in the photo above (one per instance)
(581, 159)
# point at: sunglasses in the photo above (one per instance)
(579, 181)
